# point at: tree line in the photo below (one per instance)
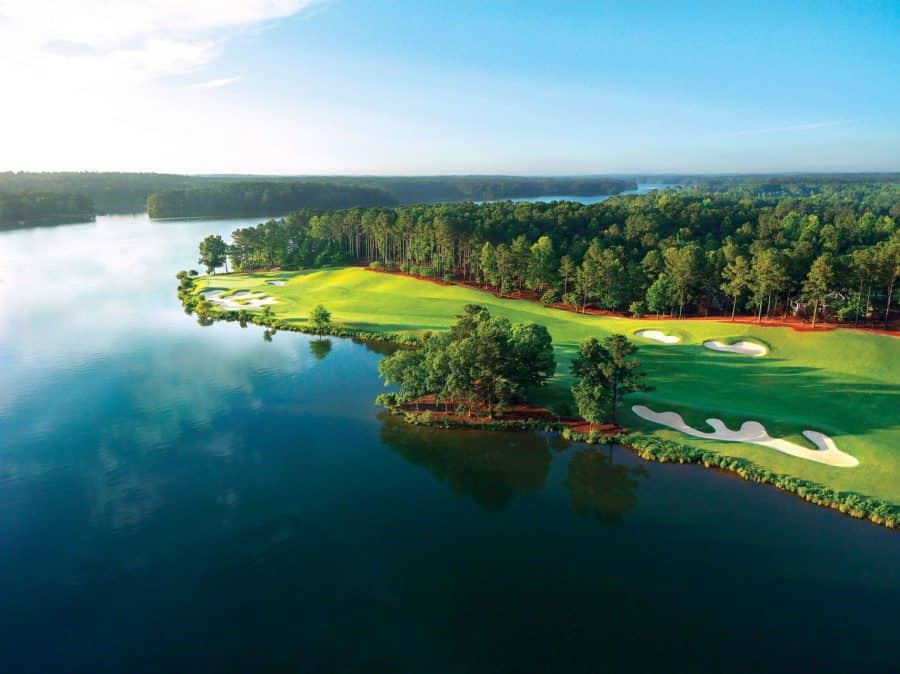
(278, 197)
(110, 192)
(114, 192)
(261, 198)
(828, 251)
(43, 208)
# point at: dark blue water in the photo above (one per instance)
(182, 498)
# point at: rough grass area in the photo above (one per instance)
(843, 383)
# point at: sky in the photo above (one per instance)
(428, 87)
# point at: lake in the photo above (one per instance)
(176, 497)
(642, 188)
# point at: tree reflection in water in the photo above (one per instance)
(320, 348)
(381, 348)
(489, 467)
(600, 488)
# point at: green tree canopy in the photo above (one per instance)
(817, 283)
(213, 253)
(604, 373)
(320, 319)
(482, 361)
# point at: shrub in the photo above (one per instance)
(855, 505)
(637, 309)
(448, 278)
(847, 313)
(571, 299)
(375, 264)
(550, 297)
(387, 400)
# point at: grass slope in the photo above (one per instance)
(843, 383)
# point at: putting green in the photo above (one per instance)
(842, 383)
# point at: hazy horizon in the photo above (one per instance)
(337, 87)
(632, 175)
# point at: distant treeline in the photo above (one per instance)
(726, 181)
(129, 192)
(278, 197)
(110, 192)
(262, 198)
(433, 189)
(43, 209)
(811, 250)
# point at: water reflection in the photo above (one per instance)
(600, 488)
(381, 348)
(73, 295)
(320, 348)
(489, 468)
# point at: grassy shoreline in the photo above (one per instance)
(840, 382)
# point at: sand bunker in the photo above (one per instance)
(743, 347)
(276, 283)
(658, 336)
(242, 299)
(755, 433)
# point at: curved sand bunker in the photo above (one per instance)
(248, 300)
(755, 433)
(742, 347)
(658, 336)
(276, 283)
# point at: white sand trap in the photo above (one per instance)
(755, 433)
(247, 299)
(743, 347)
(658, 336)
(276, 283)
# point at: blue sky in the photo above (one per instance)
(340, 86)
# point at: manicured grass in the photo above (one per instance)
(843, 383)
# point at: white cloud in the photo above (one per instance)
(100, 45)
(213, 84)
(88, 79)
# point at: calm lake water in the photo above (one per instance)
(178, 498)
(642, 188)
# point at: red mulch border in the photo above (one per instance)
(796, 324)
(512, 413)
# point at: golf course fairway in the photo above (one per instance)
(841, 383)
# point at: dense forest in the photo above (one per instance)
(278, 197)
(261, 198)
(810, 251)
(43, 208)
(129, 192)
(431, 189)
(110, 192)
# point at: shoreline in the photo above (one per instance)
(650, 448)
(647, 447)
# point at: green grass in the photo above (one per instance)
(844, 383)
